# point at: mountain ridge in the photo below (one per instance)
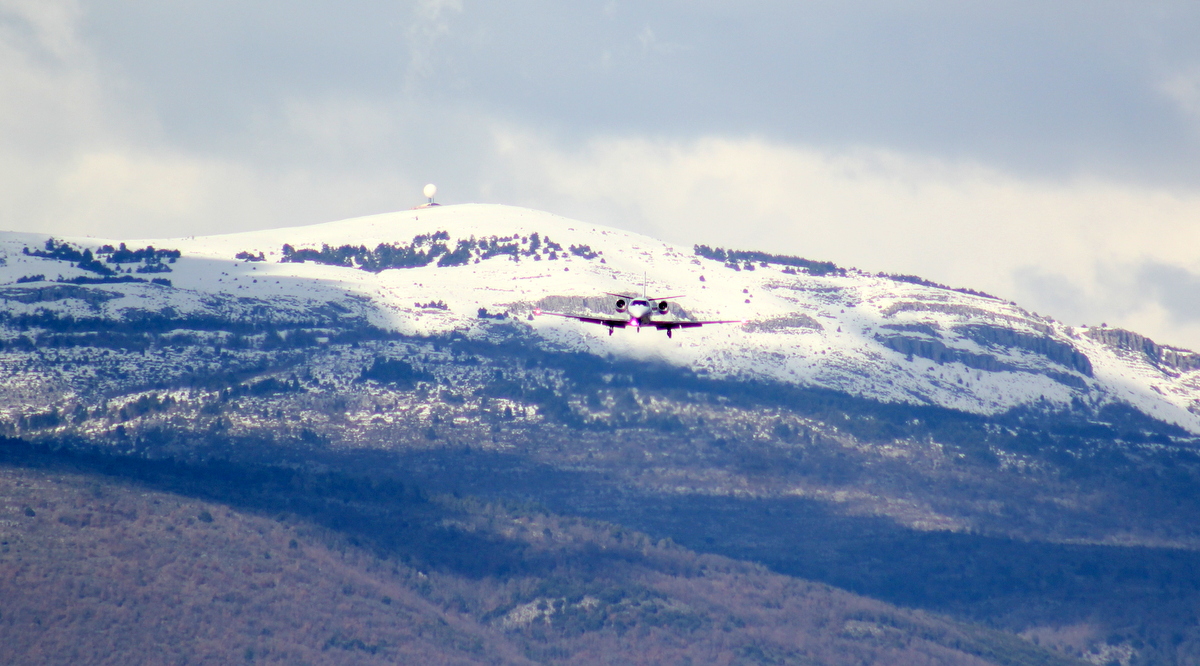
(889, 338)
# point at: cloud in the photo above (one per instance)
(85, 150)
(47, 28)
(1082, 250)
(428, 26)
(1176, 289)
(1076, 87)
(868, 206)
(1183, 89)
(1153, 298)
(1039, 154)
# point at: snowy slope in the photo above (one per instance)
(864, 334)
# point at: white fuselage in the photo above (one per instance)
(639, 312)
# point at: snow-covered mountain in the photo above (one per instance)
(484, 269)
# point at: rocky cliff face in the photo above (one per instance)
(1168, 358)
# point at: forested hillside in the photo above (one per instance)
(111, 559)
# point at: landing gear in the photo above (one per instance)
(668, 332)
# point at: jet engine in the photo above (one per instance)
(621, 305)
(663, 306)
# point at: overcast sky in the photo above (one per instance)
(1045, 152)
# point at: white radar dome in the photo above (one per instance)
(430, 190)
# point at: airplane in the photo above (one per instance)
(640, 311)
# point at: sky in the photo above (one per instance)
(1047, 153)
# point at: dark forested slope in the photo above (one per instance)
(111, 559)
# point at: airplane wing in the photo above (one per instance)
(604, 321)
(651, 298)
(669, 326)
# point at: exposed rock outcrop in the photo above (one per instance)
(938, 352)
(57, 292)
(1057, 351)
(784, 323)
(1182, 360)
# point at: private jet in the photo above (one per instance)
(639, 312)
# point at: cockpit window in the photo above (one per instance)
(639, 302)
